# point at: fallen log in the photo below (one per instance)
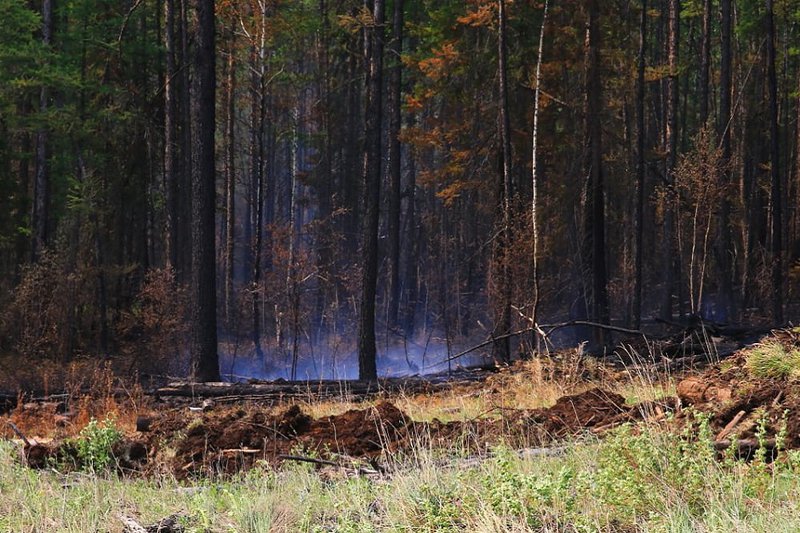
(525, 454)
(130, 525)
(171, 524)
(545, 329)
(225, 392)
(730, 425)
(360, 470)
(240, 451)
(699, 359)
(311, 460)
(745, 447)
(19, 433)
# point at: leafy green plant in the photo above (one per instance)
(94, 444)
(441, 507)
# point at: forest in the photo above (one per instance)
(317, 186)
(399, 265)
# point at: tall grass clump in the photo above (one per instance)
(771, 360)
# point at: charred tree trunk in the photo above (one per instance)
(725, 255)
(41, 184)
(795, 184)
(705, 62)
(292, 294)
(640, 170)
(776, 200)
(230, 179)
(184, 204)
(671, 148)
(204, 295)
(395, 117)
(326, 175)
(183, 239)
(171, 158)
(502, 348)
(594, 218)
(534, 171)
(257, 124)
(367, 363)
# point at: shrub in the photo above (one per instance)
(95, 443)
(153, 332)
(51, 310)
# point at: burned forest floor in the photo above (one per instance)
(647, 440)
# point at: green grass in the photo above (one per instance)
(633, 480)
(771, 360)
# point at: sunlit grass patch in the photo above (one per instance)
(772, 360)
(636, 479)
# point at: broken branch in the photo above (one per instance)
(19, 433)
(545, 329)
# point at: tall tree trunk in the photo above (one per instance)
(594, 218)
(230, 179)
(640, 170)
(776, 200)
(367, 363)
(502, 348)
(258, 113)
(705, 62)
(172, 166)
(185, 191)
(326, 174)
(671, 148)
(294, 222)
(725, 252)
(794, 249)
(534, 170)
(41, 185)
(203, 293)
(395, 117)
(412, 239)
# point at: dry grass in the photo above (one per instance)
(643, 480)
(93, 395)
(533, 384)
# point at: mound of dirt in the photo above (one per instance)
(233, 441)
(593, 408)
(696, 390)
(230, 439)
(739, 402)
(357, 432)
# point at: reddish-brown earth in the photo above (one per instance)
(227, 440)
(230, 438)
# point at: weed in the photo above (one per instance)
(94, 444)
(637, 479)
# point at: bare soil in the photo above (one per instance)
(225, 438)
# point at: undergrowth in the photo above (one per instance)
(95, 443)
(637, 479)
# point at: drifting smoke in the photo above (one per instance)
(325, 362)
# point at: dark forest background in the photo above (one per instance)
(289, 183)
